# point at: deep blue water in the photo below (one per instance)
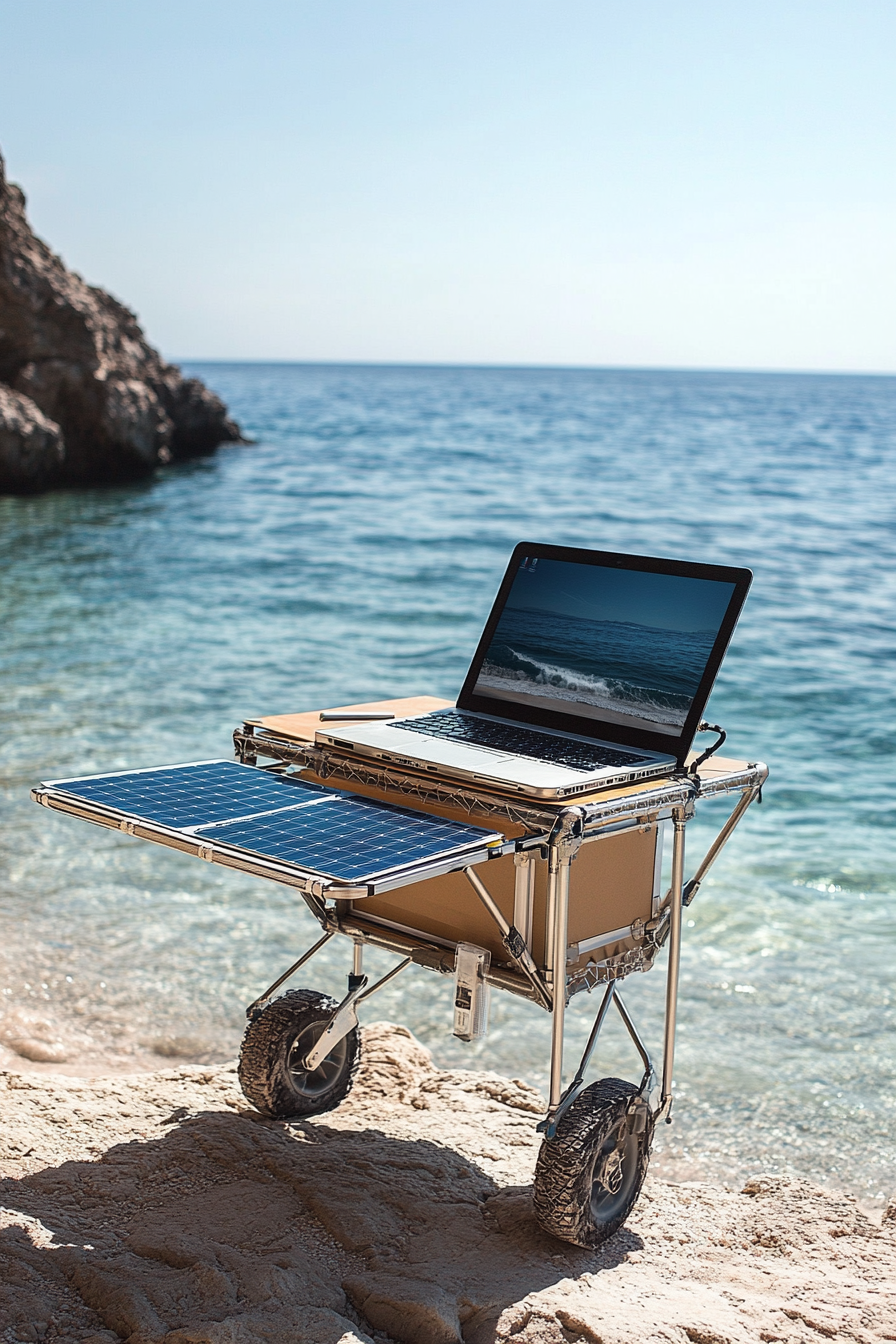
(354, 552)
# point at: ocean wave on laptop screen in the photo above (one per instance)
(559, 684)
(619, 666)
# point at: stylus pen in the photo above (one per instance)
(368, 715)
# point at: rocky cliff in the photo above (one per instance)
(84, 398)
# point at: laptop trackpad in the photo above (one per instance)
(466, 756)
(456, 753)
(499, 767)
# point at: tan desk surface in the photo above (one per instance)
(302, 727)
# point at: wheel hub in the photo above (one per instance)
(609, 1174)
(311, 1082)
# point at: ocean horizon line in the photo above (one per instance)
(462, 366)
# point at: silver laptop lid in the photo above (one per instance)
(616, 647)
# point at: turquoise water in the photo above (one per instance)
(353, 552)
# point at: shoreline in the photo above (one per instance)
(675, 1156)
(159, 1207)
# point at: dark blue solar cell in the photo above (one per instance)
(192, 795)
(350, 839)
(336, 834)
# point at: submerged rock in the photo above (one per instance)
(84, 397)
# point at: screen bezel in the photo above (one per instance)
(597, 729)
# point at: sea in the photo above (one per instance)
(352, 552)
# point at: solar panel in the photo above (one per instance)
(192, 795)
(338, 835)
(351, 839)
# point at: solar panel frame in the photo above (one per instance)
(330, 837)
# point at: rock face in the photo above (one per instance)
(84, 398)
(161, 1209)
(32, 449)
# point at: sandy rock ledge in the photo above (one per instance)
(160, 1209)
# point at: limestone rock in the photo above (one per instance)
(32, 450)
(96, 402)
(161, 1209)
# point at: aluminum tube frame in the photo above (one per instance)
(676, 892)
(558, 903)
(384, 980)
(649, 1089)
(633, 1033)
(724, 835)
(524, 894)
(511, 938)
(254, 1008)
(345, 1017)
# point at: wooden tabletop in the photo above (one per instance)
(302, 727)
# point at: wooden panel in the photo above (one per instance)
(611, 885)
(449, 907)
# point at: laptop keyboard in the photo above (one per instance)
(458, 727)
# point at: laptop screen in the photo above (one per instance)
(628, 647)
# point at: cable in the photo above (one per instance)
(710, 751)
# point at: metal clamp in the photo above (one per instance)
(566, 836)
(343, 1021)
(345, 1018)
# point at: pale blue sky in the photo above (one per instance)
(706, 184)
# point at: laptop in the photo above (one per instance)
(593, 670)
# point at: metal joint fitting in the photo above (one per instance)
(566, 837)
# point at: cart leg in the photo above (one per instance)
(590, 1170)
(675, 904)
(358, 959)
(255, 1008)
(524, 894)
(558, 901)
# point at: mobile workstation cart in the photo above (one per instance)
(542, 900)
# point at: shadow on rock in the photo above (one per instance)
(229, 1229)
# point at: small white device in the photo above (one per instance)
(471, 991)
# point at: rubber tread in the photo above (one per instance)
(265, 1049)
(563, 1172)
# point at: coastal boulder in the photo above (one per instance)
(32, 451)
(85, 397)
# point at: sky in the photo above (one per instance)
(593, 593)
(699, 185)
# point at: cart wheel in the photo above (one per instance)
(270, 1068)
(590, 1173)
